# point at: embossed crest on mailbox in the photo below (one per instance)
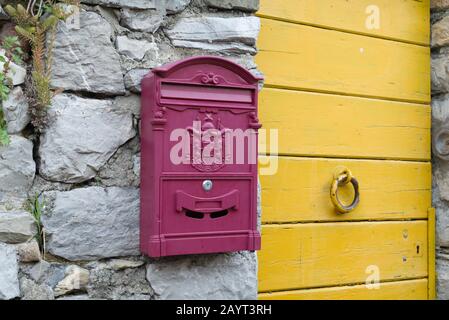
(199, 158)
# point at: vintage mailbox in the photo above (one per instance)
(199, 158)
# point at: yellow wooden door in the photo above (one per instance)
(347, 83)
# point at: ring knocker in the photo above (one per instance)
(342, 177)
(440, 143)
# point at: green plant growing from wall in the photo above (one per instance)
(11, 52)
(11, 45)
(35, 207)
(4, 91)
(36, 22)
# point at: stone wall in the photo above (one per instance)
(84, 166)
(440, 131)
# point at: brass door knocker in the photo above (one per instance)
(342, 177)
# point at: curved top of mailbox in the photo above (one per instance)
(166, 70)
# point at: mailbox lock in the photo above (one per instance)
(207, 185)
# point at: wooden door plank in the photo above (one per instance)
(330, 254)
(397, 290)
(299, 191)
(307, 58)
(407, 20)
(340, 126)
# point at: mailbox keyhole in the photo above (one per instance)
(194, 214)
(219, 214)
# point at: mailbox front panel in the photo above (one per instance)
(231, 124)
(199, 158)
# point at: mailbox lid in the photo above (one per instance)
(207, 81)
(185, 68)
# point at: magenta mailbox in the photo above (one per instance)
(199, 158)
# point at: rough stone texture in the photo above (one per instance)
(246, 61)
(85, 59)
(9, 281)
(129, 103)
(440, 109)
(107, 282)
(244, 5)
(29, 251)
(442, 230)
(54, 274)
(442, 210)
(441, 177)
(440, 117)
(440, 73)
(134, 49)
(111, 16)
(36, 271)
(76, 279)
(93, 223)
(75, 297)
(83, 134)
(15, 73)
(136, 165)
(119, 170)
(16, 111)
(439, 4)
(142, 20)
(161, 54)
(209, 277)
(17, 167)
(122, 264)
(226, 35)
(134, 78)
(44, 272)
(175, 6)
(442, 268)
(137, 4)
(12, 201)
(30, 290)
(41, 185)
(16, 227)
(440, 32)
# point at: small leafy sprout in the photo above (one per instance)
(4, 137)
(11, 44)
(36, 208)
(4, 88)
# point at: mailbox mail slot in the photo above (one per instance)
(199, 158)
